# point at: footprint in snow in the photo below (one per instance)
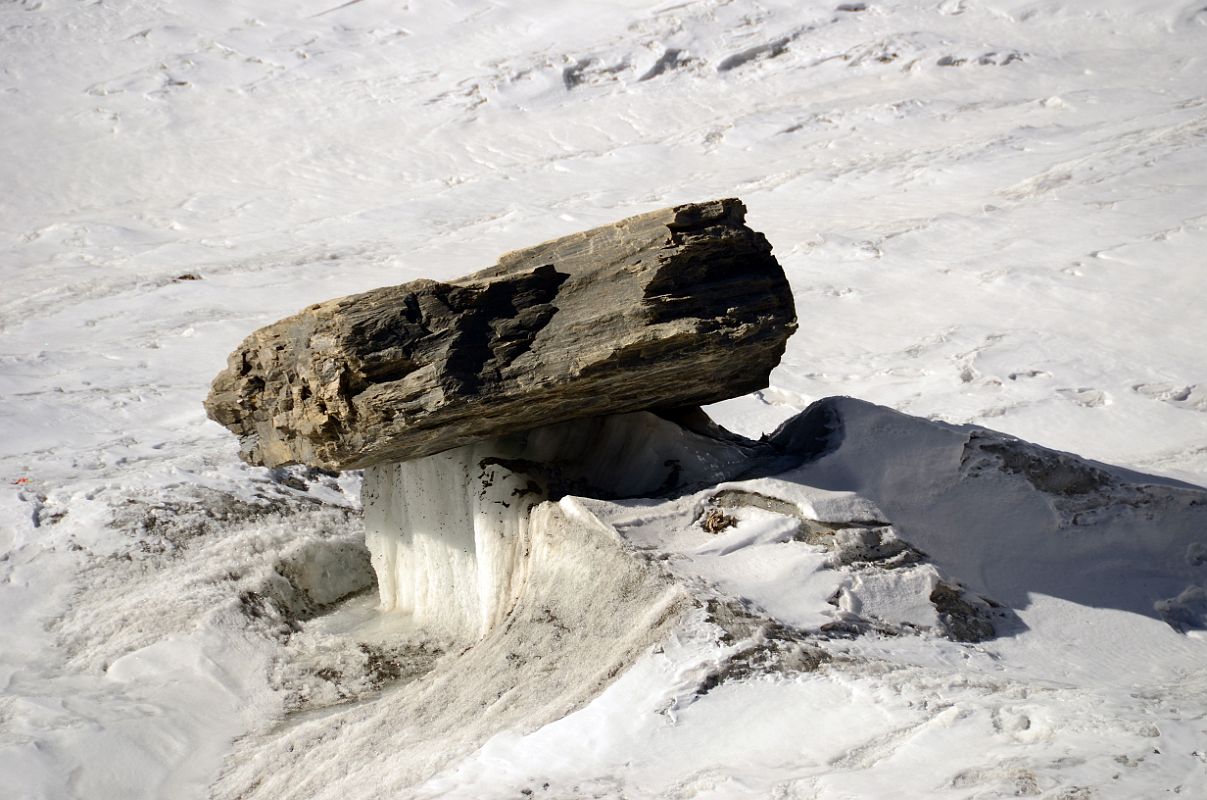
(990, 59)
(768, 50)
(1086, 397)
(1192, 397)
(1026, 374)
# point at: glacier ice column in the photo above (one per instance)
(448, 533)
(445, 533)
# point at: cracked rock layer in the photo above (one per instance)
(679, 307)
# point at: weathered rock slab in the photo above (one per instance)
(679, 307)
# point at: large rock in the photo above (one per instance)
(673, 308)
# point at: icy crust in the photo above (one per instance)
(449, 533)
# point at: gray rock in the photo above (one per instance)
(678, 307)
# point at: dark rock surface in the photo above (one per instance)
(679, 307)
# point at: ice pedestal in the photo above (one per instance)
(449, 533)
(445, 533)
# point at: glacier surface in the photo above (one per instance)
(992, 216)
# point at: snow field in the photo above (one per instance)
(991, 213)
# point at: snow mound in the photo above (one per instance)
(1014, 520)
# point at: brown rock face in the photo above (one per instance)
(678, 307)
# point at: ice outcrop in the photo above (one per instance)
(674, 308)
(449, 533)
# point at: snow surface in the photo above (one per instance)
(991, 213)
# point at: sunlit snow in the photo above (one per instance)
(992, 213)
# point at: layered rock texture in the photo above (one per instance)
(674, 308)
